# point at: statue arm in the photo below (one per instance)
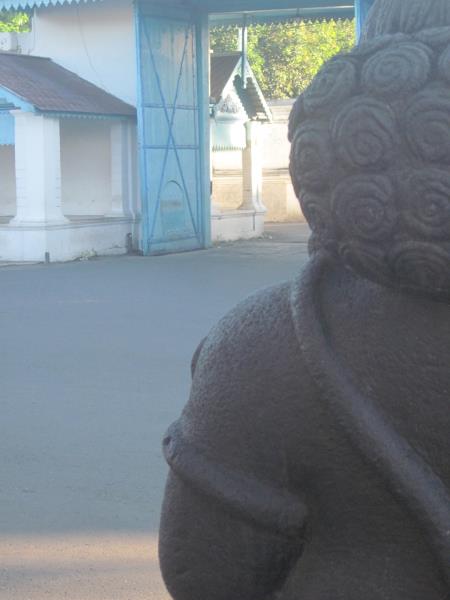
(207, 551)
(226, 532)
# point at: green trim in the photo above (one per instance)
(70, 115)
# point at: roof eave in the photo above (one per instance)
(14, 101)
(85, 115)
(29, 4)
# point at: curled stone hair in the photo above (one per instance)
(370, 158)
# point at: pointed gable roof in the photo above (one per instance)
(226, 70)
(223, 66)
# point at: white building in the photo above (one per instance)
(66, 170)
(69, 153)
(70, 184)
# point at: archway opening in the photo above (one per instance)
(259, 63)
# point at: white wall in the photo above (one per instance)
(95, 40)
(85, 167)
(224, 160)
(277, 192)
(7, 181)
(275, 145)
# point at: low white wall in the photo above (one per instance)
(279, 197)
(227, 189)
(275, 143)
(237, 225)
(85, 167)
(224, 160)
(67, 241)
(95, 40)
(277, 194)
(275, 146)
(7, 181)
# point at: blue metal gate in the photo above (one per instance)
(174, 145)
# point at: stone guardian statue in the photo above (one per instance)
(312, 461)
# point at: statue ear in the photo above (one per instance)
(405, 16)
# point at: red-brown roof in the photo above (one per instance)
(51, 88)
(222, 68)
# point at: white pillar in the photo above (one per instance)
(119, 168)
(252, 176)
(38, 169)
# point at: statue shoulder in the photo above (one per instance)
(249, 332)
(241, 397)
(250, 383)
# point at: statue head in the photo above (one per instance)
(370, 159)
(405, 16)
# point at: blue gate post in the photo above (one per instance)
(203, 67)
(362, 8)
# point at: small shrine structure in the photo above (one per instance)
(238, 110)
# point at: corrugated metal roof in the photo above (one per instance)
(222, 68)
(51, 88)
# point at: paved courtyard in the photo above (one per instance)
(94, 363)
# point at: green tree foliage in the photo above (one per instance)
(286, 56)
(224, 39)
(14, 21)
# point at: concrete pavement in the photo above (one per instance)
(94, 363)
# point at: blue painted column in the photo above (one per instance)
(203, 66)
(7, 128)
(362, 8)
